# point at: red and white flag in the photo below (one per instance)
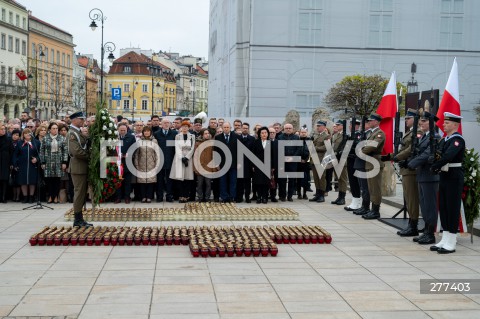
(21, 75)
(387, 109)
(451, 98)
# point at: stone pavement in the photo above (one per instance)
(367, 272)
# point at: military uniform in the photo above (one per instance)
(359, 165)
(375, 182)
(427, 189)
(449, 166)
(409, 182)
(78, 168)
(320, 181)
(338, 145)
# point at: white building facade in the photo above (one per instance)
(276, 55)
(13, 58)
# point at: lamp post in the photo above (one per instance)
(135, 82)
(40, 47)
(412, 85)
(192, 89)
(97, 15)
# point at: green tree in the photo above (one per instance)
(366, 91)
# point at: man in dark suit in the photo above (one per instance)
(164, 182)
(128, 140)
(286, 140)
(245, 184)
(228, 181)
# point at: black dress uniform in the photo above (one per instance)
(449, 166)
(427, 188)
(352, 179)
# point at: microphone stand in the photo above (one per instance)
(38, 205)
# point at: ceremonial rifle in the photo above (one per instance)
(431, 128)
(398, 135)
(414, 146)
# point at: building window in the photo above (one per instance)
(52, 55)
(10, 43)
(381, 23)
(110, 87)
(309, 101)
(68, 60)
(144, 87)
(310, 22)
(24, 47)
(118, 104)
(4, 14)
(45, 51)
(24, 23)
(3, 75)
(126, 104)
(17, 45)
(451, 24)
(58, 57)
(3, 43)
(46, 82)
(17, 20)
(63, 59)
(126, 87)
(134, 103)
(127, 69)
(10, 17)
(144, 104)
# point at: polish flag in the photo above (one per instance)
(451, 98)
(387, 109)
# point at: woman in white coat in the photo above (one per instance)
(182, 166)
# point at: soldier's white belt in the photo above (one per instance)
(447, 166)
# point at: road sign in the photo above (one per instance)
(116, 94)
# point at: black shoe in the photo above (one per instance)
(170, 199)
(416, 239)
(426, 239)
(321, 197)
(259, 201)
(239, 200)
(411, 229)
(371, 215)
(248, 201)
(309, 189)
(32, 200)
(216, 199)
(304, 196)
(315, 197)
(299, 197)
(159, 200)
(254, 197)
(274, 200)
(443, 251)
(290, 199)
(361, 211)
(25, 200)
(282, 199)
(264, 201)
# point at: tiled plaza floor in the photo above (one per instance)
(367, 272)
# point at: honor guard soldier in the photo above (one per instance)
(352, 179)
(409, 176)
(375, 182)
(319, 138)
(339, 141)
(449, 166)
(427, 181)
(78, 168)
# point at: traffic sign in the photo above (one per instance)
(116, 94)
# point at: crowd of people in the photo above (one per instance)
(53, 155)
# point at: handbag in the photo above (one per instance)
(273, 183)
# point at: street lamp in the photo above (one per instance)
(40, 47)
(135, 83)
(412, 85)
(97, 15)
(192, 89)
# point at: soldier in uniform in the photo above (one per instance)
(78, 168)
(359, 165)
(409, 177)
(375, 182)
(427, 182)
(449, 166)
(339, 141)
(319, 139)
(352, 179)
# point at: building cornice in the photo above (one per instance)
(13, 27)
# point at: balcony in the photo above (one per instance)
(13, 90)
